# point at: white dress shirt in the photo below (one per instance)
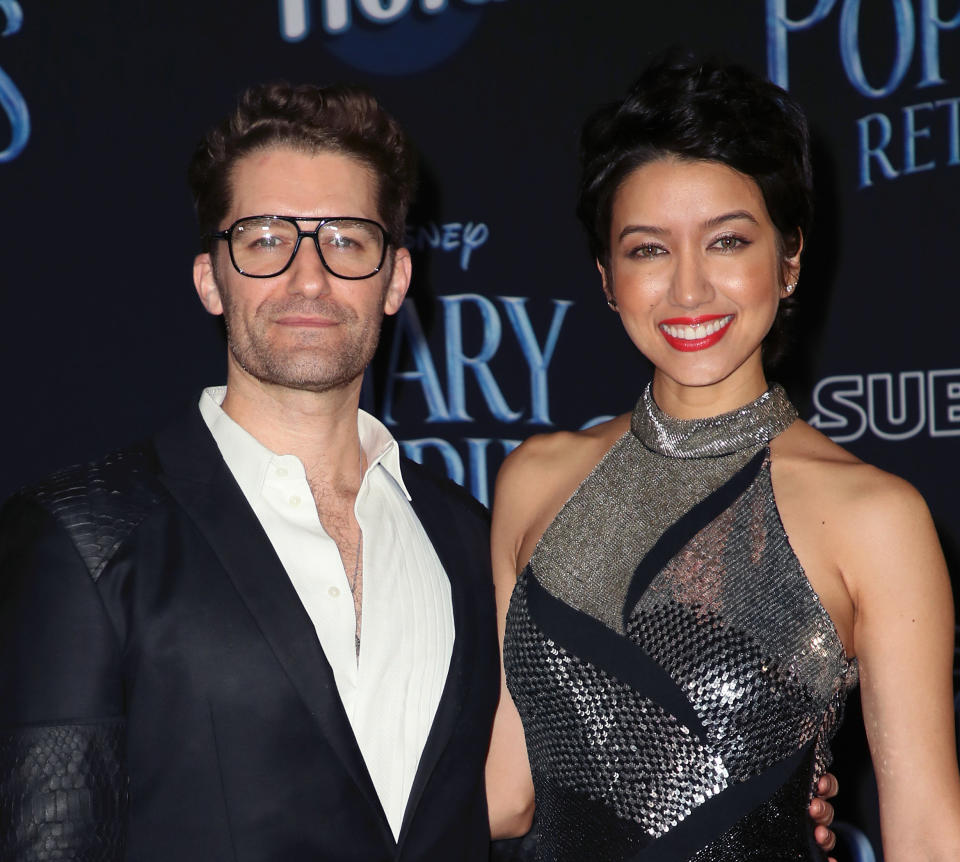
(391, 692)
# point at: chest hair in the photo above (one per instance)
(335, 508)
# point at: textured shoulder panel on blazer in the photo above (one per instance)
(101, 503)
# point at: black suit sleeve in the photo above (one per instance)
(62, 777)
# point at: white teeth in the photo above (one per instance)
(700, 330)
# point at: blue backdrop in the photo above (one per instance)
(506, 333)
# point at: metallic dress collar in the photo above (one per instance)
(747, 427)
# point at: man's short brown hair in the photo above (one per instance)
(309, 118)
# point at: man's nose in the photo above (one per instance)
(308, 275)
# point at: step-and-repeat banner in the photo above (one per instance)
(506, 332)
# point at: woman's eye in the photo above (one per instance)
(647, 251)
(729, 243)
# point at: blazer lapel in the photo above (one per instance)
(200, 481)
(450, 549)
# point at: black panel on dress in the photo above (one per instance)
(680, 532)
(593, 642)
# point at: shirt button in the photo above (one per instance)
(333, 592)
(294, 500)
(281, 472)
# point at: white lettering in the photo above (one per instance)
(892, 406)
(939, 136)
(896, 418)
(850, 47)
(944, 395)
(452, 236)
(930, 34)
(336, 15)
(843, 420)
(780, 26)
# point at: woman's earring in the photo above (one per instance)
(612, 303)
(790, 288)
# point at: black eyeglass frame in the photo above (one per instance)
(313, 234)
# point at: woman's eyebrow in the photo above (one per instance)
(736, 215)
(642, 228)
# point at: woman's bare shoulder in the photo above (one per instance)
(553, 456)
(868, 514)
(541, 474)
(826, 469)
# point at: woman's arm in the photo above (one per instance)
(509, 785)
(904, 636)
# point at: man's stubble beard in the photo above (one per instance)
(310, 368)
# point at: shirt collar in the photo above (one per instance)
(249, 460)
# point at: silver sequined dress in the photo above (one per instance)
(678, 679)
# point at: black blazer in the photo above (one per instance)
(150, 637)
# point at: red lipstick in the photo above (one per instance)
(715, 326)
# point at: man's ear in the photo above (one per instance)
(399, 281)
(205, 282)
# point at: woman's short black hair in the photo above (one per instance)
(704, 111)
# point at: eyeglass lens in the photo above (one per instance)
(264, 246)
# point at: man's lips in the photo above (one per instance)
(695, 333)
(306, 321)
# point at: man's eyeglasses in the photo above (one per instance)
(264, 246)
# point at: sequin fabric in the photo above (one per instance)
(672, 551)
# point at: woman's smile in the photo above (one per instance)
(695, 333)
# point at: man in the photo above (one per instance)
(263, 634)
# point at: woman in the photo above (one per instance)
(697, 586)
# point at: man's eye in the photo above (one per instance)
(266, 241)
(340, 242)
